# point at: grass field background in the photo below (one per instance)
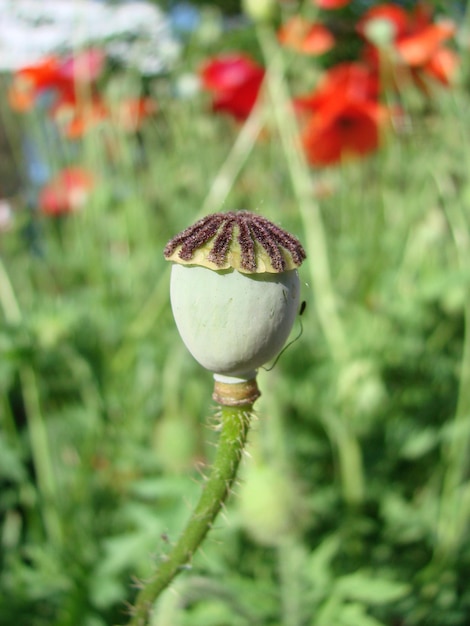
(353, 506)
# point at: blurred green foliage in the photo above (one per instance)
(353, 508)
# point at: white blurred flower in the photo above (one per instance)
(138, 34)
(6, 215)
(187, 85)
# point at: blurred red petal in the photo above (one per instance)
(331, 4)
(234, 81)
(318, 40)
(52, 72)
(229, 71)
(240, 101)
(41, 74)
(417, 49)
(67, 192)
(443, 65)
(306, 37)
(342, 130)
(30, 80)
(351, 80)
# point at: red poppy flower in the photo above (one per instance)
(62, 75)
(306, 37)
(419, 47)
(331, 4)
(234, 81)
(346, 128)
(417, 41)
(67, 192)
(29, 81)
(351, 80)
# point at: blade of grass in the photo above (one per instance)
(453, 514)
(40, 448)
(231, 167)
(349, 451)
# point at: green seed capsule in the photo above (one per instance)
(235, 291)
(233, 323)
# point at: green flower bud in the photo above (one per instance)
(380, 32)
(260, 10)
(270, 505)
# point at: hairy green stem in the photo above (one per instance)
(234, 427)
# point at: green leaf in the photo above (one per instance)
(318, 567)
(355, 615)
(420, 443)
(365, 587)
(11, 466)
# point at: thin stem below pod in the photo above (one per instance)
(234, 427)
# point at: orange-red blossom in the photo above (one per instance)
(341, 118)
(416, 40)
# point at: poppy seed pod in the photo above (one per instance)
(234, 293)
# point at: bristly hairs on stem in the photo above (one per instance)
(235, 422)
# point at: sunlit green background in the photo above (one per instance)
(353, 505)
